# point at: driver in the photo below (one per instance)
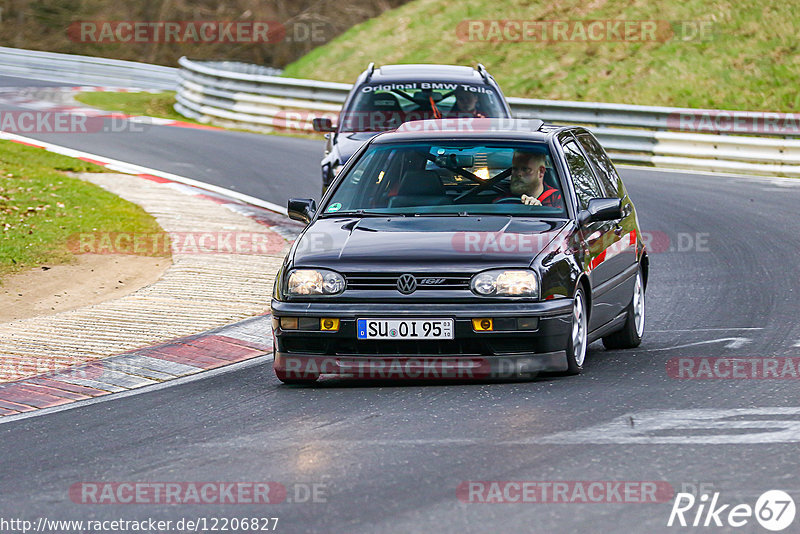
(527, 181)
(466, 104)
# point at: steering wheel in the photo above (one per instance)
(491, 183)
(509, 200)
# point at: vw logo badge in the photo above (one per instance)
(406, 284)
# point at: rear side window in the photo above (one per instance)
(586, 187)
(605, 170)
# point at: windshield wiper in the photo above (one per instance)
(457, 214)
(362, 213)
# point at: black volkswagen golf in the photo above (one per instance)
(463, 248)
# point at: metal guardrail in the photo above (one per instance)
(256, 98)
(231, 95)
(86, 70)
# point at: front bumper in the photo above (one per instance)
(471, 354)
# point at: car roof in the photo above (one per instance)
(470, 128)
(424, 72)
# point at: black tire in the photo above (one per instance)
(630, 336)
(578, 339)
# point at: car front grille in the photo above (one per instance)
(388, 281)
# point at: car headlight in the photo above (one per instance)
(337, 169)
(506, 283)
(314, 282)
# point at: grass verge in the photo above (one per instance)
(41, 206)
(149, 104)
(746, 58)
(160, 105)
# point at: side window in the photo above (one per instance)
(605, 170)
(585, 184)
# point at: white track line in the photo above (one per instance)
(705, 329)
(132, 168)
(749, 177)
(258, 360)
(731, 343)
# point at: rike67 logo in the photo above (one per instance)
(774, 510)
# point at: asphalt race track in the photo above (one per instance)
(236, 160)
(388, 457)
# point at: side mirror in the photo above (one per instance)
(601, 209)
(302, 209)
(323, 124)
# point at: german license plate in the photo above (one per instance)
(405, 328)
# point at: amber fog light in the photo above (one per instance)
(482, 325)
(329, 324)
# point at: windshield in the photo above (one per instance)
(385, 106)
(456, 178)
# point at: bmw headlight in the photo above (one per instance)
(506, 283)
(314, 282)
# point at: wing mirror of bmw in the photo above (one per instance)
(302, 209)
(323, 125)
(601, 209)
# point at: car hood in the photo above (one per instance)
(423, 243)
(348, 142)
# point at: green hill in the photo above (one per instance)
(98, 27)
(747, 59)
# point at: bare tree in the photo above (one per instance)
(50, 25)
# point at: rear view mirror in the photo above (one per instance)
(302, 209)
(601, 209)
(323, 124)
(455, 160)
